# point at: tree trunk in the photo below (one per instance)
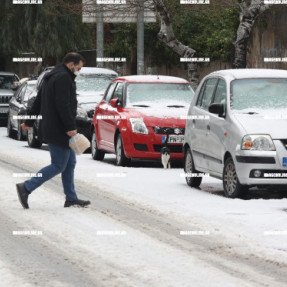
(248, 17)
(167, 36)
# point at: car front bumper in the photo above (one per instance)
(4, 110)
(148, 146)
(271, 166)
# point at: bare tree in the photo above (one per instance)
(166, 35)
(248, 17)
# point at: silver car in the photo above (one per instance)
(8, 85)
(236, 130)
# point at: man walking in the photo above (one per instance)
(56, 102)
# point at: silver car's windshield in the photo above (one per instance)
(6, 82)
(93, 82)
(259, 94)
(29, 91)
(164, 94)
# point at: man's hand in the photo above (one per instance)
(71, 133)
(25, 127)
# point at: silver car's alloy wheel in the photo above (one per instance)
(20, 135)
(32, 141)
(188, 166)
(30, 135)
(230, 178)
(189, 169)
(231, 184)
(9, 128)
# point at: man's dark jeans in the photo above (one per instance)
(63, 160)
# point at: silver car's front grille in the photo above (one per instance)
(5, 99)
(284, 142)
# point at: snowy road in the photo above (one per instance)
(144, 210)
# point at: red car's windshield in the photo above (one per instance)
(151, 94)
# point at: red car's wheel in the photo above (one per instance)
(96, 153)
(121, 159)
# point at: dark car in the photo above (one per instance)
(17, 109)
(32, 134)
(8, 84)
(91, 85)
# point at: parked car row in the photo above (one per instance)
(91, 85)
(8, 83)
(232, 128)
(18, 107)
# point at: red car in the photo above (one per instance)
(135, 116)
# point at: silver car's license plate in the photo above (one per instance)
(3, 110)
(174, 139)
(284, 161)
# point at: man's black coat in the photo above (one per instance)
(56, 102)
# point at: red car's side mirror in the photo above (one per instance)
(114, 102)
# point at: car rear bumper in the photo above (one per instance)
(84, 126)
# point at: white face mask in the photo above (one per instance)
(76, 73)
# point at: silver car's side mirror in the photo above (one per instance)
(217, 109)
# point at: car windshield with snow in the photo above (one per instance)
(8, 84)
(158, 94)
(91, 85)
(236, 130)
(259, 95)
(139, 115)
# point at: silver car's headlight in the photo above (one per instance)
(82, 113)
(257, 142)
(138, 126)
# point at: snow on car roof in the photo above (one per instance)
(251, 73)
(7, 73)
(94, 70)
(32, 82)
(152, 79)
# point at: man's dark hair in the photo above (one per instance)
(73, 57)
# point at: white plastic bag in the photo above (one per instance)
(79, 143)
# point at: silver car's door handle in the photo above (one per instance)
(208, 130)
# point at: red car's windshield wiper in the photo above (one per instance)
(176, 106)
(144, 106)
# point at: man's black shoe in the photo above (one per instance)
(78, 202)
(22, 195)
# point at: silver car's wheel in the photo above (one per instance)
(20, 136)
(189, 169)
(230, 178)
(32, 141)
(10, 132)
(96, 153)
(231, 184)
